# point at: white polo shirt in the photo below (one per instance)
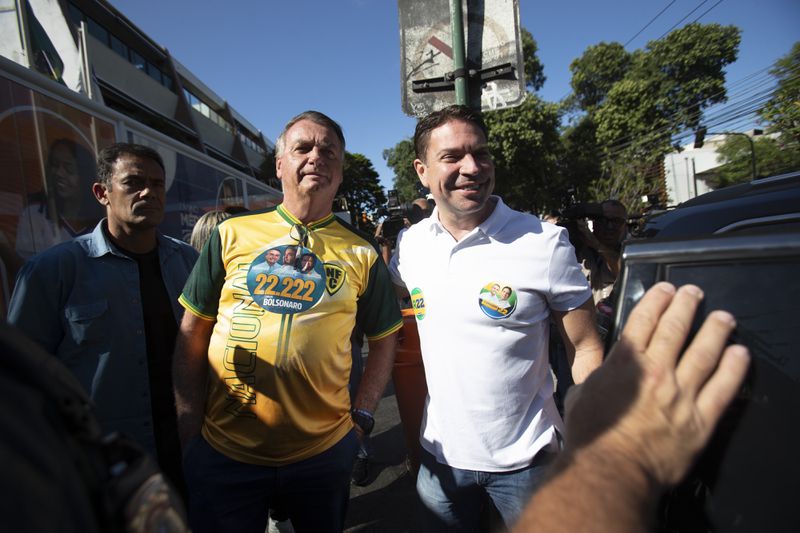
(490, 395)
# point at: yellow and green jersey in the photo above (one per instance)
(285, 297)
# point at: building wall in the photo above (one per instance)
(123, 75)
(680, 170)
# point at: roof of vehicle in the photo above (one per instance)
(761, 202)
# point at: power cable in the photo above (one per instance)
(753, 96)
(689, 14)
(648, 24)
(706, 11)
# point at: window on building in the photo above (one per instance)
(75, 14)
(137, 60)
(119, 47)
(97, 31)
(154, 72)
(166, 81)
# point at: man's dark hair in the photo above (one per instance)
(313, 116)
(615, 203)
(426, 125)
(109, 155)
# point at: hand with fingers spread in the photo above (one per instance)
(648, 405)
(638, 422)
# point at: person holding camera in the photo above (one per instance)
(388, 236)
(599, 249)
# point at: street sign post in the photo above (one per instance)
(494, 71)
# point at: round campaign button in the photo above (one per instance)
(497, 300)
(418, 303)
(286, 279)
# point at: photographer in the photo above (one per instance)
(400, 218)
(599, 250)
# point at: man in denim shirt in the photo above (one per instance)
(106, 303)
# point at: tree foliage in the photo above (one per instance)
(638, 101)
(665, 90)
(772, 157)
(400, 159)
(782, 110)
(689, 65)
(534, 70)
(360, 185)
(579, 164)
(596, 71)
(525, 145)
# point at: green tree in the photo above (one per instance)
(689, 65)
(639, 101)
(783, 108)
(534, 70)
(772, 157)
(360, 186)
(400, 159)
(665, 90)
(579, 164)
(525, 145)
(596, 71)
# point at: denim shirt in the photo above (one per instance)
(80, 300)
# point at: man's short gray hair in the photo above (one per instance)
(317, 118)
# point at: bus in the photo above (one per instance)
(48, 132)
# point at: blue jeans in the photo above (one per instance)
(451, 497)
(229, 496)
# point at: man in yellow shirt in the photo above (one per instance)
(263, 359)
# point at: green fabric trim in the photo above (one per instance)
(194, 310)
(393, 329)
(291, 219)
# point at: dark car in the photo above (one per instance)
(741, 245)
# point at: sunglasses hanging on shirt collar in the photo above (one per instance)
(299, 233)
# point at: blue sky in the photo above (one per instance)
(272, 59)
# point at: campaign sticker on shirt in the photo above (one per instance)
(418, 303)
(286, 279)
(497, 300)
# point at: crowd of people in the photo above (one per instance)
(233, 367)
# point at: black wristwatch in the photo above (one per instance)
(363, 419)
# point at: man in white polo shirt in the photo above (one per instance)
(490, 423)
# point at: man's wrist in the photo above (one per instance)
(636, 485)
(363, 419)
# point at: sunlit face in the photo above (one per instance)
(289, 256)
(272, 257)
(311, 163)
(459, 172)
(63, 171)
(135, 198)
(307, 263)
(495, 289)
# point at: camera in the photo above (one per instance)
(574, 210)
(397, 214)
(583, 210)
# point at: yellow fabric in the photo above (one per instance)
(278, 383)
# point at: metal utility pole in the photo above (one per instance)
(459, 56)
